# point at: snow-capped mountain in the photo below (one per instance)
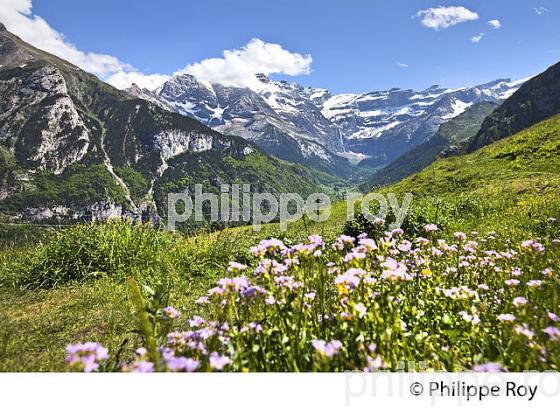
(311, 126)
(383, 125)
(284, 119)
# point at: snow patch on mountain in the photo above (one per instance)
(457, 108)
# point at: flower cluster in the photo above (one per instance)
(86, 357)
(361, 303)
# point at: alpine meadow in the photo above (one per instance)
(449, 260)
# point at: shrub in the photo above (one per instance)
(413, 224)
(114, 249)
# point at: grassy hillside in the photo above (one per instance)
(511, 187)
(511, 184)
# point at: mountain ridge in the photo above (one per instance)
(311, 126)
(63, 130)
(450, 134)
(536, 100)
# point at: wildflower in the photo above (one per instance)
(548, 272)
(140, 366)
(304, 250)
(460, 236)
(227, 285)
(396, 232)
(534, 283)
(483, 286)
(369, 244)
(310, 295)
(218, 362)
(170, 312)
(327, 349)
(436, 252)
(488, 368)
(378, 221)
(270, 247)
(516, 272)
(287, 282)
(203, 300)
(235, 267)
(141, 352)
(374, 364)
(196, 321)
(394, 270)
(406, 246)
(431, 228)
(506, 317)
(552, 332)
(532, 245)
(512, 282)
(354, 255)
(519, 301)
(343, 242)
(252, 291)
(85, 357)
(316, 241)
(462, 292)
(471, 246)
(351, 279)
(182, 364)
(524, 330)
(361, 309)
(422, 241)
(553, 316)
(474, 319)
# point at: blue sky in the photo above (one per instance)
(354, 44)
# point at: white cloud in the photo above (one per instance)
(19, 19)
(541, 10)
(476, 39)
(402, 65)
(440, 18)
(237, 68)
(495, 24)
(123, 79)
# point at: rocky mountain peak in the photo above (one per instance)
(3, 27)
(262, 78)
(134, 88)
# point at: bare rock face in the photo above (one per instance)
(39, 120)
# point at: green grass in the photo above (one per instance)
(509, 186)
(47, 301)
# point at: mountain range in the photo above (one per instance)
(342, 134)
(71, 144)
